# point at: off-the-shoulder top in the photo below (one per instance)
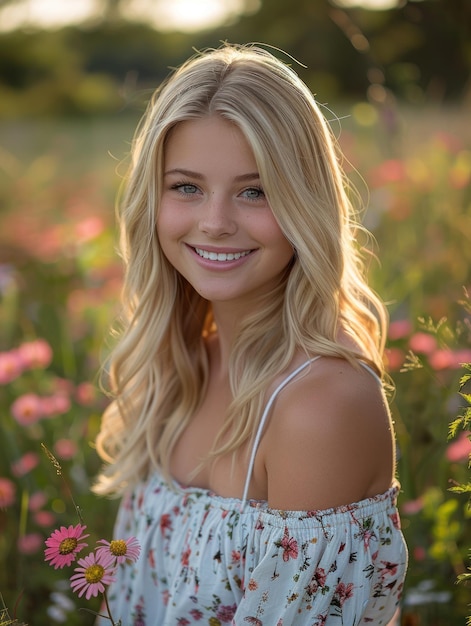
(212, 560)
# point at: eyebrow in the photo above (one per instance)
(198, 176)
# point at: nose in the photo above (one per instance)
(216, 218)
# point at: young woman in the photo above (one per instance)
(248, 431)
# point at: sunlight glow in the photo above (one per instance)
(184, 15)
(45, 13)
(377, 5)
(168, 15)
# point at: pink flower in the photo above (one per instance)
(7, 493)
(399, 329)
(449, 359)
(56, 404)
(85, 394)
(424, 343)
(290, 546)
(65, 449)
(343, 592)
(89, 228)
(460, 449)
(37, 500)
(11, 366)
(94, 572)
(412, 507)
(35, 354)
(225, 613)
(44, 518)
(120, 549)
(30, 543)
(394, 359)
(27, 409)
(64, 544)
(25, 464)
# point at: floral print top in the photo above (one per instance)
(214, 560)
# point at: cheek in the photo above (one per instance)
(170, 224)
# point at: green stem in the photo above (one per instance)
(108, 610)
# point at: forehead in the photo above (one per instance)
(208, 140)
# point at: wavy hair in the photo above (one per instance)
(158, 369)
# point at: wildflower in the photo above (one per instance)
(65, 449)
(56, 404)
(27, 409)
(94, 572)
(44, 518)
(460, 449)
(85, 394)
(11, 366)
(122, 550)
(7, 492)
(29, 543)
(423, 343)
(64, 544)
(25, 464)
(35, 354)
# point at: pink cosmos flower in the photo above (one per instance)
(394, 359)
(85, 394)
(27, 409)
(412, 507)
(64, 544)
(399, 329)
(460, 449)
(25, 464)
(35, 354)
(56, 404)
(11, 366)
(7, 492)
(37, 500)
(94, 572)
(423, 343)
(121, 550)
(29, 543)
(44, 518)
(65, 449)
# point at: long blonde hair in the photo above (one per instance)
(158, 369)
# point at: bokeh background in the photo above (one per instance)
(75, 75)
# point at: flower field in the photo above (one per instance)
(59, 287)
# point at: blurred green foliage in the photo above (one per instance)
(419, 52)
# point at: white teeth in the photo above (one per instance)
(221, 256)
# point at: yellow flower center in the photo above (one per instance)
(67, 545)
(94, 573)
(118, 547)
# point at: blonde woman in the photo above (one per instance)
(248, 431)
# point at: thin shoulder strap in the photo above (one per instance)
(263, 420)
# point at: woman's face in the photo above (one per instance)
(215, 225)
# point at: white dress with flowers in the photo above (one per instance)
(213, 560)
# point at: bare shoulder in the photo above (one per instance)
(330, 439)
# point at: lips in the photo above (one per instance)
(221, 256)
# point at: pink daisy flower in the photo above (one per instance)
(64, 544)
(95, 571)
(121, 549)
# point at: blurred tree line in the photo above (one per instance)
(417, 52)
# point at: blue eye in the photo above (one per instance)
(185, 188)
(254, 193)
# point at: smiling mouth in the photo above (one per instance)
(221, 256)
